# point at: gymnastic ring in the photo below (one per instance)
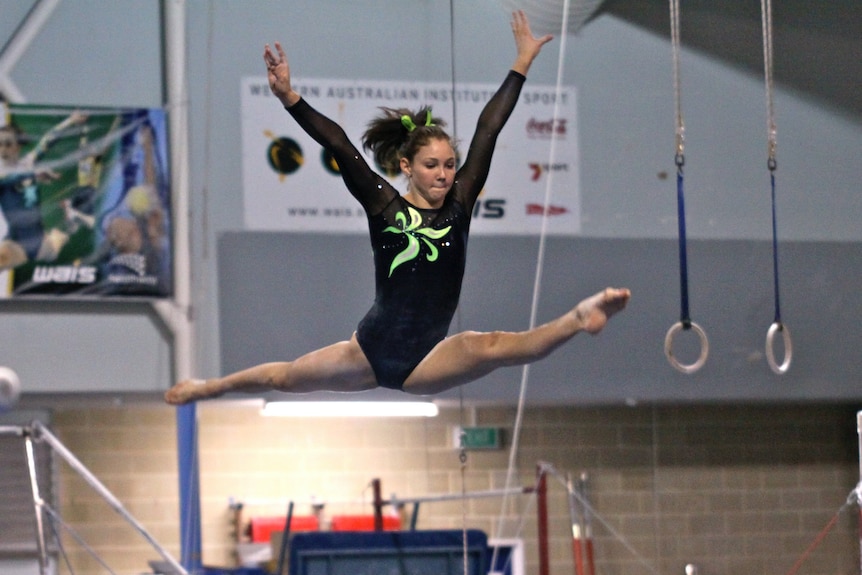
(668, 347)
(788, 348)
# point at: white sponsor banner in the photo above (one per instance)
(289, 184)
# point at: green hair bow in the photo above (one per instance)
(410, 125)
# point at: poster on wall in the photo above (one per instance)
(85, 198)
(290, 182)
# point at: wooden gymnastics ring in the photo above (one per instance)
(668, 347)
(788, 348)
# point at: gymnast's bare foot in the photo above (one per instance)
(187, 391)
(595, 311)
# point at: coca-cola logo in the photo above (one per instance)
(546, 128)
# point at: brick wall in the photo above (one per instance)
(730, 489)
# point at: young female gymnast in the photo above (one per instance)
(419, 242)
(26, 238)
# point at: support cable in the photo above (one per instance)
(818, 539)
(587, 508)
(685, 322)
(777, 325)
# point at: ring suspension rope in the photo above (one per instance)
(685, 322)
(777, 325)
(525, 373)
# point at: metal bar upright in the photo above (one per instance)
(378, 505)
(41, 433)
(177, 312)
(37, 505)
(577, 528)
(542, 510)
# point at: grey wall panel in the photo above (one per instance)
(284, 294)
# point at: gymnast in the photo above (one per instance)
(27, 239)
(419, 241)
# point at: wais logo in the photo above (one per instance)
(64, 274)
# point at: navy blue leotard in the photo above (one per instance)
(419, 254)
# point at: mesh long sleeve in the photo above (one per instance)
(472, 175)
(368, 187)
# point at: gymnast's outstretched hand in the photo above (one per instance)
(528, 45)
(278, 74)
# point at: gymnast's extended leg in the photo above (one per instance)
(338, 367)
(467, 356)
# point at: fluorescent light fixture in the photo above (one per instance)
(350, 409)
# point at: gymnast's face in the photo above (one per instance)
(430, 174)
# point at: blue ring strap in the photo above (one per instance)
(685, 318)
(775, 247)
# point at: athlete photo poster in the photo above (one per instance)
(85, 201)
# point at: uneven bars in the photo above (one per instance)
(284, 502)
(542, 519)
(394, 500)
(450, 496)
(38, 502)
(60, 449)
(11, 430)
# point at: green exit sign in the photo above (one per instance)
(477, 437)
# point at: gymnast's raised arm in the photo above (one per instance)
(368, 187)
(498, 109)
